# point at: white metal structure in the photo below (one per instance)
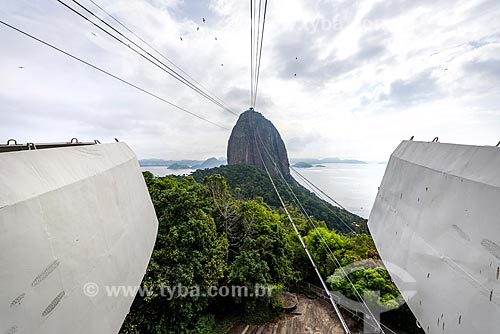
(70, 217)
(436, 224)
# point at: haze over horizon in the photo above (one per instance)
(344, 79)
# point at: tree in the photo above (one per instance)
(189, 251)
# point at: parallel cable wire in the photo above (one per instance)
(164, 67)
(337, 216)
(260, 53)
(313, 187)
(167, 69)
(317, 188)
(251, 52)
(296, 198)
(110, 74)
(354, 314)
(313, 225)
(337, 310)
(256, 44)
(158, 52)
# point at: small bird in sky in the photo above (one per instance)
(198, 29)
(295, 75)
(215, 38)
(181, 38)
(221, 64)
(21, 67)
(203, 20)
(296, 58)
(94, 34)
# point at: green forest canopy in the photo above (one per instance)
(214, 234)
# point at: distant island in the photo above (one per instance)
(183, 164)
(302, 164)
(216, 162)
(177, 166)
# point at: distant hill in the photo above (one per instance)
(249, 182)
(177, 166)
(186, 164)
(302, 164)
(161, 162)
(153, 162)
(210, 163)
(327, 161)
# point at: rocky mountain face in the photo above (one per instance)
(254, 137)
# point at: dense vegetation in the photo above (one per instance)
(249, 182)
(213, 234)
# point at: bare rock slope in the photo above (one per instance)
(254, 137)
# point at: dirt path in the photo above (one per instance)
(312, 316)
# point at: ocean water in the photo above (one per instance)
(354, 186)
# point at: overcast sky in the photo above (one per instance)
(368, 75)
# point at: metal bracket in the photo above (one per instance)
(13, 146)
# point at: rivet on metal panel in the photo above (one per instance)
(435, 140)
(8, 141)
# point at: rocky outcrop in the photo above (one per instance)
(254, 139)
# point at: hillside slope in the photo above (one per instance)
(249, 182)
